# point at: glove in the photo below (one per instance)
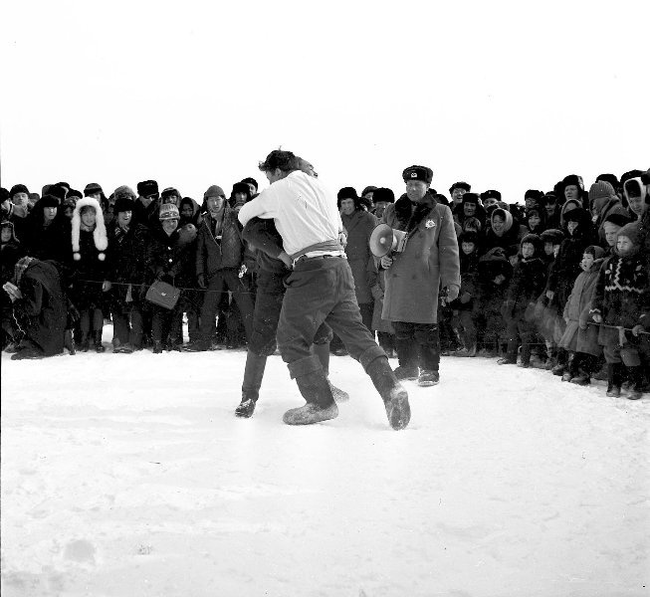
(637, 329)
(201, 280)
(452, 293)
(598, 318)
(106, 286)
(386, 261)
(465, 298)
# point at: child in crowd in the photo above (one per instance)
(581, 339)
(463, 306)
(620, 302)
(528, 280)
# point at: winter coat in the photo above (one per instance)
(169, 259)
(88, 275)
(528, 281)
(580, 334)
(490, 293)
(377, 282)
(213, 253)
(468, 282)
(429, 260)
(621, 294)
(126, 265)
(359, 226)
(147, 215)
(42, 310)
(50, 242)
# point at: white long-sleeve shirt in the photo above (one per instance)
(304, 211)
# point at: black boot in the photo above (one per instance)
(84, 343)
(315, 389)
(97, 337)
(395, 397)
(614, 380)
(636, 383)
(407, 359)
(322, 351)
(250, 388)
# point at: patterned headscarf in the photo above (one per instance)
(22, 264)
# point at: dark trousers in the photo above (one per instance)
(418, 344)
(224, 280)
(321, 290)
(268, 305)
(128, 326)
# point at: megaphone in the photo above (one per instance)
(385, 239)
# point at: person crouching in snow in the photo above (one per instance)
(39, 307)
(89, 270)
(528, 280)
(579, 338)
(621, 299)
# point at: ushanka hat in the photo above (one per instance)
(382, 194)
(99, 233)
(147, 188)
(18, 188)
(49, 201)
(421, 173)
(460, 185)
(123, 204)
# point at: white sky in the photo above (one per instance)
(505, 95)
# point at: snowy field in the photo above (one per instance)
(130, 476)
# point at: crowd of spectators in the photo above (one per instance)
(560, 281)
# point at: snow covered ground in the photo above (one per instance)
(130, 476)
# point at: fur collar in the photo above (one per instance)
(410, 218)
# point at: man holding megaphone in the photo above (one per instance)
(420, 256)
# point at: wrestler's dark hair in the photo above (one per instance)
(284, 160)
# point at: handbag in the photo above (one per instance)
(162, 294)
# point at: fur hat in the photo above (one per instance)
(18, 188)
(573, 179)
(74, 194)
(552, 235)
(249, 180)
(124, 191)
(99, 234)
(533, 194)
(383, 194)
(241, 187)
(610, 178)
(470, 198)
(617, 219)
(460, 185)
(369, 189)
(214, 191)
(170, 192)
(576, 215)
(421, 173)
(10, 225)
(123, 204)
(534, 240)
(347, 193)
(491, 194)
(168, 211)
(92, 188)
(58, 191)
(49, 201)
(147, 188)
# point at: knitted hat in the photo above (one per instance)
(123, 204)
(631, 231)
(347, 193)
(124, 191)
(18, 188)
(421, 173)
(168, 211)
(99, 233)
(601, 190)
(92, 188)
(214, 191)
(147, 188)
(382, 194)
(460, 185)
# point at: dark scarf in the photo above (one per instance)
(409, 219)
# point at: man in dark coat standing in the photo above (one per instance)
(414, 277)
